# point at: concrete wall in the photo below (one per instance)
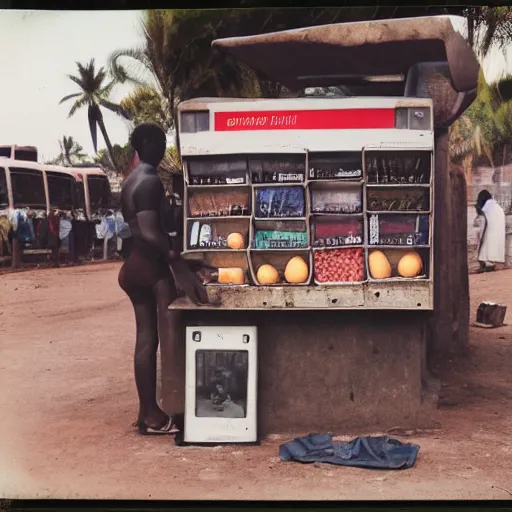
(360, 370)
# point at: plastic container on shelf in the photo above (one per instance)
(336, 198)
(393, 257)
(219, 202)
(332, 231)
(213, 234)
(339, 266)
(399, 230)
(280, 202)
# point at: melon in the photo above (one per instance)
(267, 274)
(236, 241)
(410, 265)
(231, 275)
(380, 268)
(296, 271)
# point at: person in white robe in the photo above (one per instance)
(491, 237)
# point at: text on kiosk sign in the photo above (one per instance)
(339, 119)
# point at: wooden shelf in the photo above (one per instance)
(220, 185)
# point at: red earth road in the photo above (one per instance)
(68, 400)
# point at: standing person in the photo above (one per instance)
(151, 272)
(491, 237)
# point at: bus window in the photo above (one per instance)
(60, 190)
(27, 188)
(4, 196)
(79, 195)
(5, 151)
(99, 191)
(27, 154)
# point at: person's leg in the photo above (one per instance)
(146, 347)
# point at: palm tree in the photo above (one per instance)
(93, 95)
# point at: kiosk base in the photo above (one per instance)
(325, 371)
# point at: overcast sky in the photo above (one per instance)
(40, 48)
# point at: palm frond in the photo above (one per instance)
(78, 81)
(133, 73)
(69, 96)
(81, 102)
(113, 107)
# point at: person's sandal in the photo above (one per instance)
(168, 429)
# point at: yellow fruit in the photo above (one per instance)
(236, 241)
(296, 270)
(231, 276)
(410, 265)
(267, 274)
(380, 268)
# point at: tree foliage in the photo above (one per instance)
(492, 114)
(71, 153)
(94, 93)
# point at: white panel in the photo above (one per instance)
(298, 141)
(220, 429)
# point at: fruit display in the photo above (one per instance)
(267, 274)
(379, 266)
(236, 241)
(410, 265)
(296, 271)
(232, 275)
(339, 266)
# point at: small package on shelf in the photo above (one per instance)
(222, 202)
(398, 167)
(227, 170)
(264, 239)
(329, 166)
(218, 234)
(336, 200)
(279, 202)
(396, 199)
(278, 169)
(336, 232)
(339, 265)
(391, 229)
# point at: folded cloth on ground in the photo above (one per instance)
(363, 452)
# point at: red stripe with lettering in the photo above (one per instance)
(341, 119)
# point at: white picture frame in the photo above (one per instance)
(212, 414)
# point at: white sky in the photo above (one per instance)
(40, 48)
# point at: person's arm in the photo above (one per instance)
(148, 199)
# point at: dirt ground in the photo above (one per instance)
(67, 401)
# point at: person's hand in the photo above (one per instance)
(189, 282)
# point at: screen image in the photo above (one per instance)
(221, 383)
